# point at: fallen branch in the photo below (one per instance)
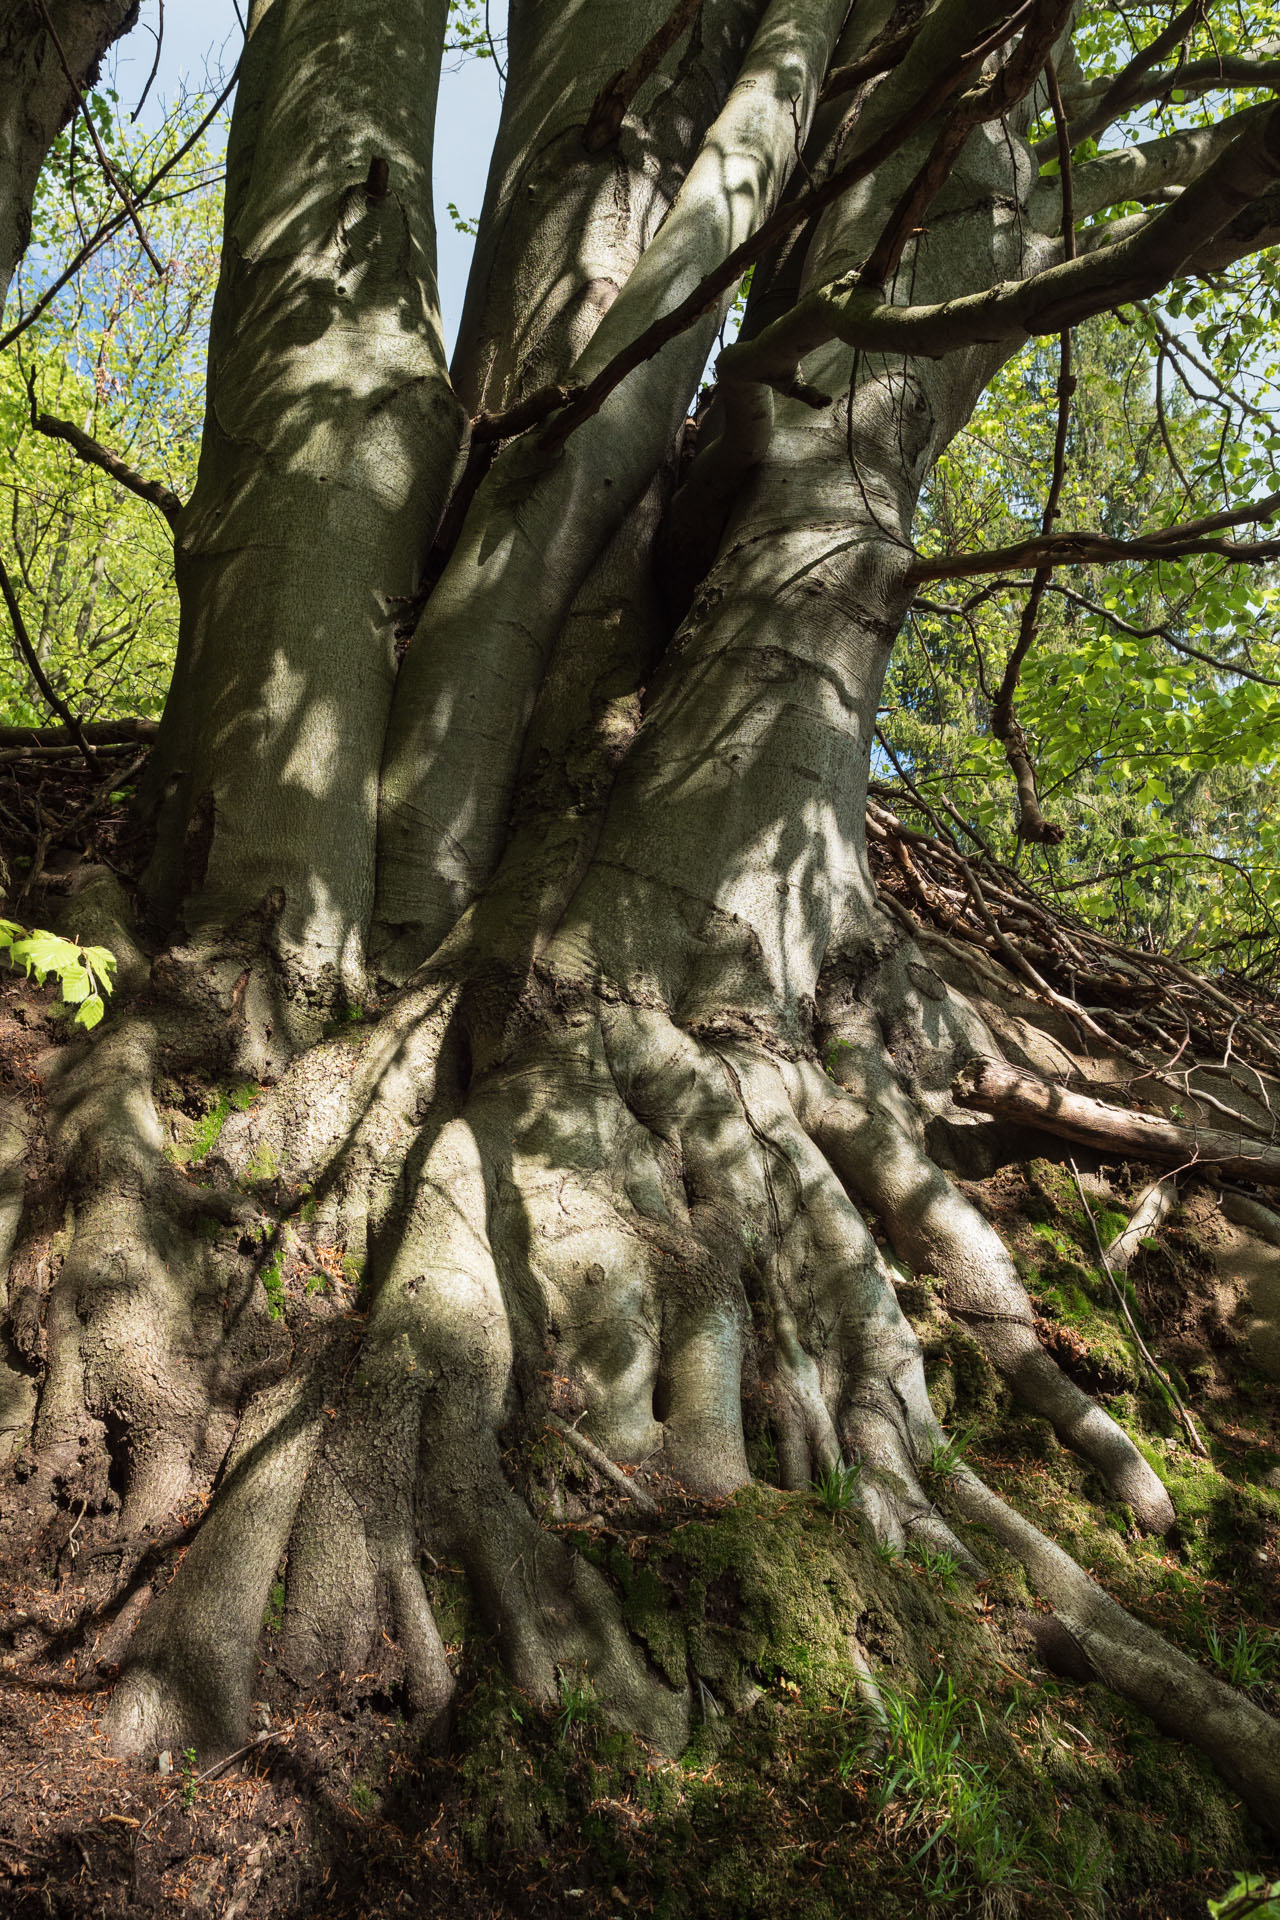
(99, 733)
(993, 1087)
(603, 1465)
(1151, 1208)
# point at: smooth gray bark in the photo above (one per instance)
(328, 448)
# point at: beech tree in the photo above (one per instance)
(510, 875)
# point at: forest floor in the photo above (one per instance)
(990, 1784)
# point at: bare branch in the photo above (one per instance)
(611, 103)
(1094, 549)
(1015, 78)
(993, 1087)
(96, 455)
(878, 59)
(103, 157)
(158, 31)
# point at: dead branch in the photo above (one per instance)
(1157, 1371)
(38, 674)
(1009, 1093)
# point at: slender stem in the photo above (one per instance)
(103, 157)
(38, 674)
(1197, 1444)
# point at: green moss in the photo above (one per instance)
(264, 1166)
(201, 1136)
(272, 1277)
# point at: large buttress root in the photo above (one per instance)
(662, 1221)
(1183, 1698)
(148, 1335)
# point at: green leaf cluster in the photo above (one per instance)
(83, 974)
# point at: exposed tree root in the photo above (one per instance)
(658, 1223)
(1183, 1698)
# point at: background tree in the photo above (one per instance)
(509, 893)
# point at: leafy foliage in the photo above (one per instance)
(1160, 766)
(1251, 1898)
(119, 355)
(83, 974)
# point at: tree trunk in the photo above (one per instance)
(585, 1157)
(38, 96)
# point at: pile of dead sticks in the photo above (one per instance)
(60, 798)
(1162, 1017)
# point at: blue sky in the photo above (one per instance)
(201, 38)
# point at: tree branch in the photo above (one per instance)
(53, 700)
(1014, 79)
(103, 158)
(1129, 269)
(1138, 172)
(1093, 549)
(1159, 633)
(989, 1086)
(96, 455)
(1197, 76)
(1131, 84)
(605, 119)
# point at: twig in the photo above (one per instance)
(1197, 1444)
(101, 151)
(155, 65)
(109, 228)
(604, 1465)
(1084, 549)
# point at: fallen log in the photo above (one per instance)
(993, 1087)
(99, 733)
